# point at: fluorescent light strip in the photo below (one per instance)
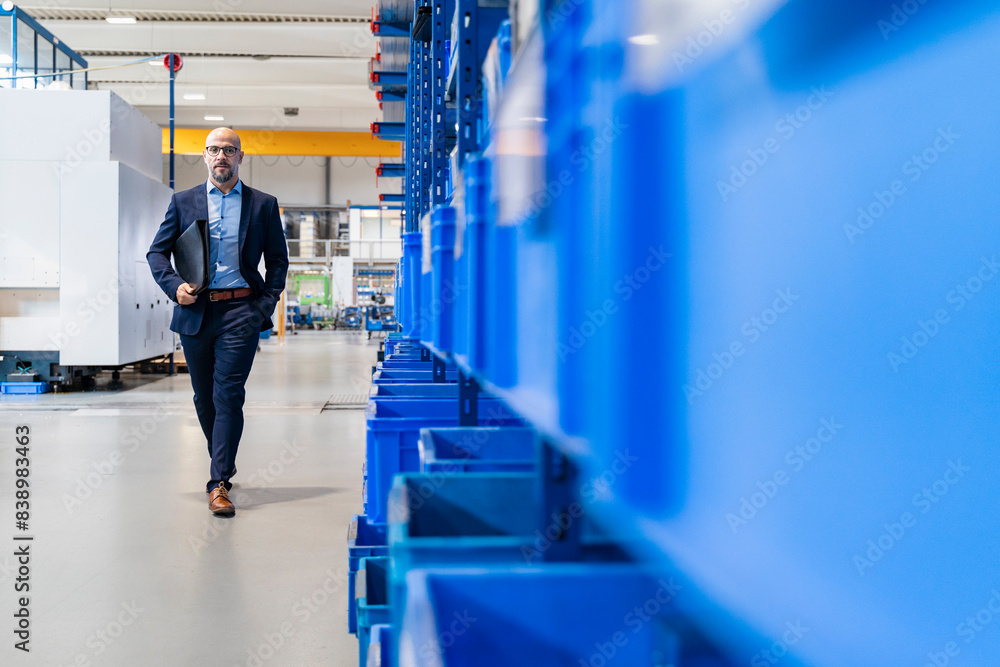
(121, 20)
(214, 118)
(194, 96)
(644, 40)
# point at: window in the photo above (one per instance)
(25, 54)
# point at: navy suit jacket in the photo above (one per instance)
(261, 234)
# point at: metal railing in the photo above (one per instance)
(321, 251)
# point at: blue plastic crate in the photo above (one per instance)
(410, 376)
(410, 280)
(380, 651)
(415, 390)
(443, 285)
(395, 363)
(24, 387)
(473, 449)
(364, 540)
(372, 600)
(553, 616)
(393, 428)
(470, 268)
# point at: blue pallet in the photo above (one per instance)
(393, 428)
(472, 449)
(372, 601)
(364, 540)
(552, 616)
(24, 387)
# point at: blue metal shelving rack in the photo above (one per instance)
(740, 291)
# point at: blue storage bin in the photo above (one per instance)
(372, 600)
(429, 299)
(552, 616)
(24, 387)
(415, 390)
(473, 449)
(404, 364)
(393, 430)
(443, 287)
(789, 268)
(410, 376)
(478, 209)
(409, 286)
(364, 540)
(380, 651)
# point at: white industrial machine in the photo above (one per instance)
(81, 197)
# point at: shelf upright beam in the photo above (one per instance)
(442, 11)
(476, 28)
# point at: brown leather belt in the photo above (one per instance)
(227, 294)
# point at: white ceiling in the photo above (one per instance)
(250, 58)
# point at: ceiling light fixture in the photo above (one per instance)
(194, 96)
(644, 40)
(214, 118)
(121, 20)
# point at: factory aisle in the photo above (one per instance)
(128, 566)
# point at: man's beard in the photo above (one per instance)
(223, 175)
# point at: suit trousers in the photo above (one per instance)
(219, 358)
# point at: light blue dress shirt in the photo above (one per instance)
(224, 229)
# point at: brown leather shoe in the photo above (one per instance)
(219, 503)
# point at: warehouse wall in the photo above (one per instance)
(296, 180)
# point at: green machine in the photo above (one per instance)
(312, 289)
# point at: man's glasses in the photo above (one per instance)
(228, 150)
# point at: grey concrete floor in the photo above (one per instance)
(127, 565)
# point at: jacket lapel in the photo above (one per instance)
(246, 202)
(201, 203)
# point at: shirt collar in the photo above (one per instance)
(236, 188)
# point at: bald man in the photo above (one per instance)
(219, 327)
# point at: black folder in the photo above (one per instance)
(191, 255)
